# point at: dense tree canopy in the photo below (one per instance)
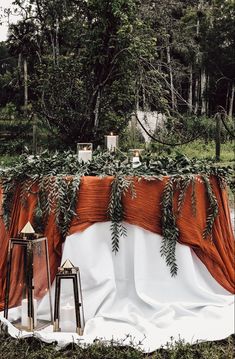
(83, 66)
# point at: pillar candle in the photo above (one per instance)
(136, 160)
(67, 318)
(24, 313)
(84, 155)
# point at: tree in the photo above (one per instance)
(90, 89)
(22, 42)
(89, 64)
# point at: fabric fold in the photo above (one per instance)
(143, 211)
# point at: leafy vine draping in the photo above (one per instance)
(142, 209)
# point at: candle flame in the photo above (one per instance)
(111, 133)
(137, 153)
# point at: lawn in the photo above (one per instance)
(201, 150)
(32, 348)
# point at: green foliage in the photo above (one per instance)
(170, 231)
(120, 186)
(212, 210)
(92, 63)
(87, 86)
(58, 180)
(14, 132)
(33, 348)
(197, 149)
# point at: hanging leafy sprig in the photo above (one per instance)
(212, 210)
(182, 186)
(65, 202)
(170, 231)
(58, 195)
(120, 185)
(9, 188)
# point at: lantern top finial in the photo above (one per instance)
(67, 265)
(28, 231)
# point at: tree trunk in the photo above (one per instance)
(57, 49)
(144, 98)
(218, 137)
(196, 95)
(25, 84)
(19, 62)
(34, 135)
(207, 99)
(190, 96)
(96, 111)
(227, 99)
(53, 48)
(137, 96)
(171, 77)
(230, 113)
(203, 91)
(197, 60)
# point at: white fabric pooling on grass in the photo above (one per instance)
(132, 292)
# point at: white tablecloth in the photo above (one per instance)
(132, 296)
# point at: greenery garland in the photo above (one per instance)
(55, 180)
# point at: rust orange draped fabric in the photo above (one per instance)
(145, 211)
(21, 214)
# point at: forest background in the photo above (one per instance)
(72, 71)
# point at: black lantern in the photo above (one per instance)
(69, 318)
(28, 281)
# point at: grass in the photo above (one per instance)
(7, 160)
(201, 150)
(33, 348)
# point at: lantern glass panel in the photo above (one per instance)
(67, 316)
(111, 142)
(28, 292)
(84, 151)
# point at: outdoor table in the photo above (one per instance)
(132, 291)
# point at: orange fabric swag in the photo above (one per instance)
(143, 211)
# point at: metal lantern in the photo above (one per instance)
(69, 317)
(28, 281)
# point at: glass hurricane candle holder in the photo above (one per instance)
(84, 151)
(28, 281)
(111, 142)
(135, 155)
